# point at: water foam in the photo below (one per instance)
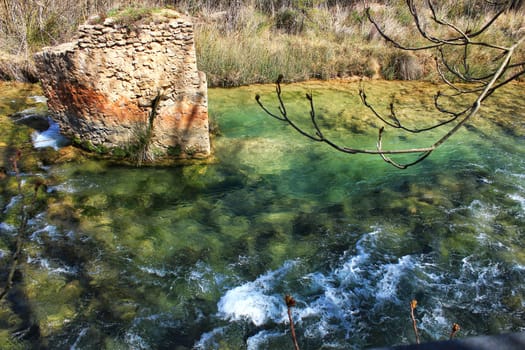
(38, 99)
(49, 138)
(135, 341)
(261, 339)
(256, 301)
(5, 227)
(159, 272)
(50, 231)
(208, 339)
(520, 199)
(12, 202)
(367, 290)
(53, 267)
(334, 298)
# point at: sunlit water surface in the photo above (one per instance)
(201, 256)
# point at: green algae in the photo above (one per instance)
(16, 97)
(8, 343)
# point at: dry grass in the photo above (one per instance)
(28, 25)
(17, 68)
(254, 41)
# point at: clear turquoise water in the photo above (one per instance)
(201, 256)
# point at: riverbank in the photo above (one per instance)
(254, 41)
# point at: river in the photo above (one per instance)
(201, 256)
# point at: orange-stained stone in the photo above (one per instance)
(102, 93)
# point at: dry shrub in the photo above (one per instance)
(19, 69)
(406, 66)
(400, 65)
(290, 21)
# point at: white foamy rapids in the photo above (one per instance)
(66, 187)
(483, 212)
(256, 301)
(261, 340)
(81, 335)
(365, 291)
(49, 138)
(517, 181)
(135, 341)
(334, 301)
(209, 340)
(476, 280)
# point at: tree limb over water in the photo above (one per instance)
(455, 49)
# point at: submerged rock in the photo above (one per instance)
(33, 118)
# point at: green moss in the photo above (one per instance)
(130, 15)
(124, 310)
(190, 151)
(514, 302)
(133, 16)
(89, 146)
(9, 343)
(76, 141)
(174, 151)
(120, 152)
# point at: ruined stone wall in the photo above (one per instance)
(101, 88)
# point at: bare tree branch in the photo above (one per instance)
(449, 50)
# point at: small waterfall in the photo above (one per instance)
(50, 137)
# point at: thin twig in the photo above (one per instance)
(21, 229)
(26, 211)
(413, 305)
(503, 69)
(290, 302)
(455, 328)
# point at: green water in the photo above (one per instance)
(201, 256)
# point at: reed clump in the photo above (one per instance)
(253, 41)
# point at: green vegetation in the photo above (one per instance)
(130, 14)
(253, 41)
(16, 137)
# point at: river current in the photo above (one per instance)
(201, 256)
